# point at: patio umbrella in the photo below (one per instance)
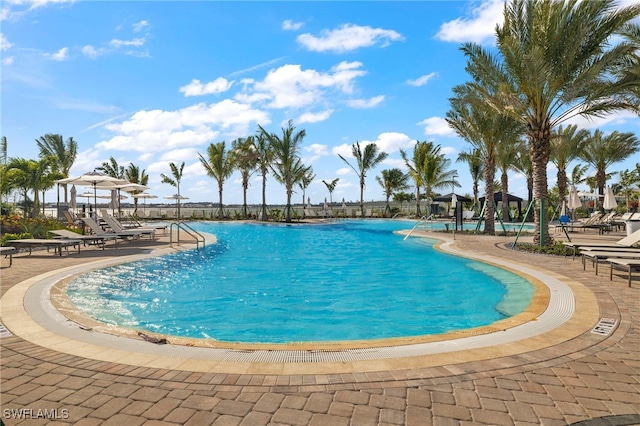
(609, 202)
(95, 180)
(177, 197)
(574, 199)
(72, 201)
(144, 196)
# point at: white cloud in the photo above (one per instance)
(179, 155)
(289, 25)
(7, 60)
(4, 43)
(391, 142)
(348, 37)
(365, 103)
(292, 87)
(60, 55)
(317, 149)
(421, 81)
(344, 170)
(310, 117)
(344, 150)
(136, 42)
(396, 163)
(437, 126)
(196, 88)
(91, 51)
(479, 28)
(186, 127)
(139, 26)
(447, 150)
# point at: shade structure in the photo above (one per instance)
(448, 198)
(574, 200)
(609, 202)
(144, 196)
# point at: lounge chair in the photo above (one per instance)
(625, 265)
(96, 239)
(97, 230)
(626, 242)
(8, 251)
(595, 256)
(57, 245)
(134, 226)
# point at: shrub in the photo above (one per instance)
(557, 249)
(7, 237)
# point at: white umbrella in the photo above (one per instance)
(454, 200)
(74, 192)
(609, 202)
(177, 197)
(574, 199)
(144, 196)
(563, 210)
(308, 202)
(95, 180)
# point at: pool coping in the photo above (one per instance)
(27, 307)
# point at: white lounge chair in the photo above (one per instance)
(626, 242)
(96, 239)
(97, 230)
(625, 265)
(117, 227)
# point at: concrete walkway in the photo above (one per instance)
(590, 379)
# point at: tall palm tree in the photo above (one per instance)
(134, 175)
(522, 164)
(174, 180)
(286, 165)
(415, 165)
(601, 152)
(392, 180)
(246, 161)
(264, 153)
(331, 186)
(504, 161)
(366, 160)
(566, 146)
(219, 166)
(31, 175)
(555, 61)
(304, 183)
(476, 169)
(112, 168)
(65, 153)
(487, 132)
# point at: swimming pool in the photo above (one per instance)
(351, 280)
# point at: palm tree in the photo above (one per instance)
(219, 166)
(264, 153)
(112, 168)
(486, 131)
(601, 152)
(392, 180)
(331, 186)
(286, 165)
(174, 180)
(555, 61)
(31, 175)
(306, 181)
(476, 169)
(436, 173)
(134, 175)
(65, 153)
(246, 161)
(522, 164)
(366, 160)
(504, 160)
(628, 178)
(415, 165)
(566, 146)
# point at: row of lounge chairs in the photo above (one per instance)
(603, 222)
(66, 239)
(623, 254)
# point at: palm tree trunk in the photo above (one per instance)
(539, 135)
(489, 211)
(362, 197)
(244, 201)
(221, 211)
(264, 197)
(504, 180)
(562, 184)
(418, 212)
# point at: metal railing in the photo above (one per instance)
(423, 221)
(189, 230)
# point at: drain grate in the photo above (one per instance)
(4, 332)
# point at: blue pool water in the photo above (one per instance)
(266, 283)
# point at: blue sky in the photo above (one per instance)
(153, 82)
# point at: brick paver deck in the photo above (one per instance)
(586, 380)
